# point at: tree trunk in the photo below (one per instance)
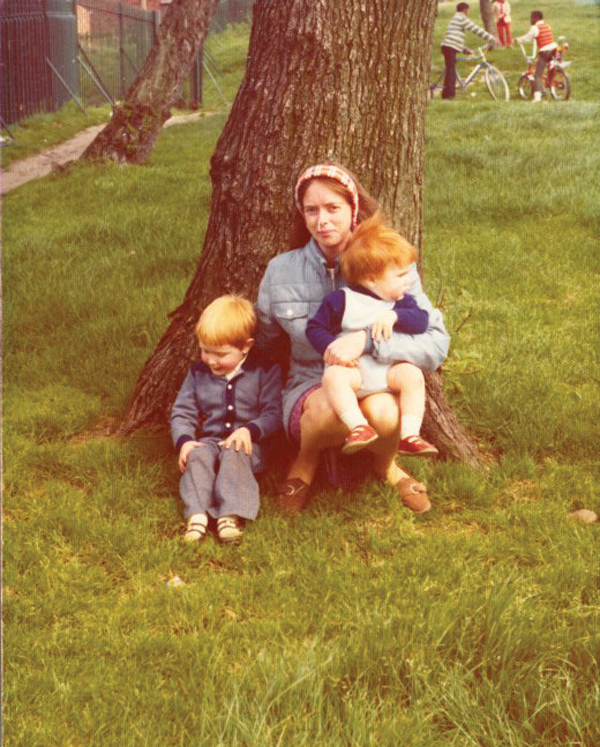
(327, 80)
(132, 131)
(486, 16)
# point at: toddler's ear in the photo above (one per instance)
(248, 345)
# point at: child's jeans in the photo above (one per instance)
(219, 482)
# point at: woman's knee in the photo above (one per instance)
(318, 419)
(382, 412)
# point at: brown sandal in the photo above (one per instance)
(293, 495)
(413, 495)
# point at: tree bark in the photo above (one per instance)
(132, 131)
(325, 80)
(486, 16)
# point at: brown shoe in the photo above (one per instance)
(360, 436)
(293, 495)
(414, 495)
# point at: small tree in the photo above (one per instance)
(345, 81)
(486, 16)
(132, 131)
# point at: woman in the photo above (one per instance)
(330, 202)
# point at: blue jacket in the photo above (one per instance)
(290, 293)
(216, 406)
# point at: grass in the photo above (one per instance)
(357, 624)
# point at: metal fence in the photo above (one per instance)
(86, 50)
(113, 42)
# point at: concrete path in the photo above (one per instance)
(42, 163)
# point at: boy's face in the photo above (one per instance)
(392, 284)
(223, 359)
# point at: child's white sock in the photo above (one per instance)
(353, 417)
(411, 426)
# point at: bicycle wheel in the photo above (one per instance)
(496, 84)
(560, 84)
(525, 87)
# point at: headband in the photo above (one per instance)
(330, 172)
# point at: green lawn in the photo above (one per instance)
(358, 623)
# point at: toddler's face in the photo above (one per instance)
(223, 359)
(392, 284)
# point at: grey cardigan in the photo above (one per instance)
(290, 293)
(217, 406)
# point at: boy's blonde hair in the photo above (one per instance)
(228, 320)
(371, 248)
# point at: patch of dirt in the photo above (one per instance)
(106, 427)
(56, 158)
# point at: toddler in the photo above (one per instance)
(235, 400)
(375, 264)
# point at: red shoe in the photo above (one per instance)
(416, 446)
(360, 436)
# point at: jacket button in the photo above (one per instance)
(290, 312)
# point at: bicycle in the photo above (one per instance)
(555, 79)
(493, 78)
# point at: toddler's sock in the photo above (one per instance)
(353, 417)
(411, 426)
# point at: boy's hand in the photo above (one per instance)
(384, 326)
(240, 438)
(346, 350)
(184, 452)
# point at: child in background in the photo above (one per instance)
(375, 264)
(454, 42)
(541, 33)
(237, 399)
(501, 13)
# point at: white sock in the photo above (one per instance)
(411, 426)
(198, 519)
(353, 417)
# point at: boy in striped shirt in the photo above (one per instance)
(454, 41)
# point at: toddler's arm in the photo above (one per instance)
(427, 351)
(326, 324)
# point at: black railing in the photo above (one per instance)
(87, 50)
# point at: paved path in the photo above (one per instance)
(42, 163)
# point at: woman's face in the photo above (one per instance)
(328, 218)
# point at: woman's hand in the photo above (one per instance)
(184, 453)
(384, 326)
(346, 350)
(240, 439)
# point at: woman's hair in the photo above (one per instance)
(228, 320)
(372, 248)
(367, 205)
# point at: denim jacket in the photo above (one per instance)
(290, 293)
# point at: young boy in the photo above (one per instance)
(375, 264)
(454, 41)
(541, 33)
(237, 400)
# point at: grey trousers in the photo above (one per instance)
(219, 482)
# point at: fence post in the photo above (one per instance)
(62, 48)
(121, 54)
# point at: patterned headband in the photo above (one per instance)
(331, 172)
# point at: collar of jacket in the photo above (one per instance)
(317, 258)
(253, 360)
(364, 291)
